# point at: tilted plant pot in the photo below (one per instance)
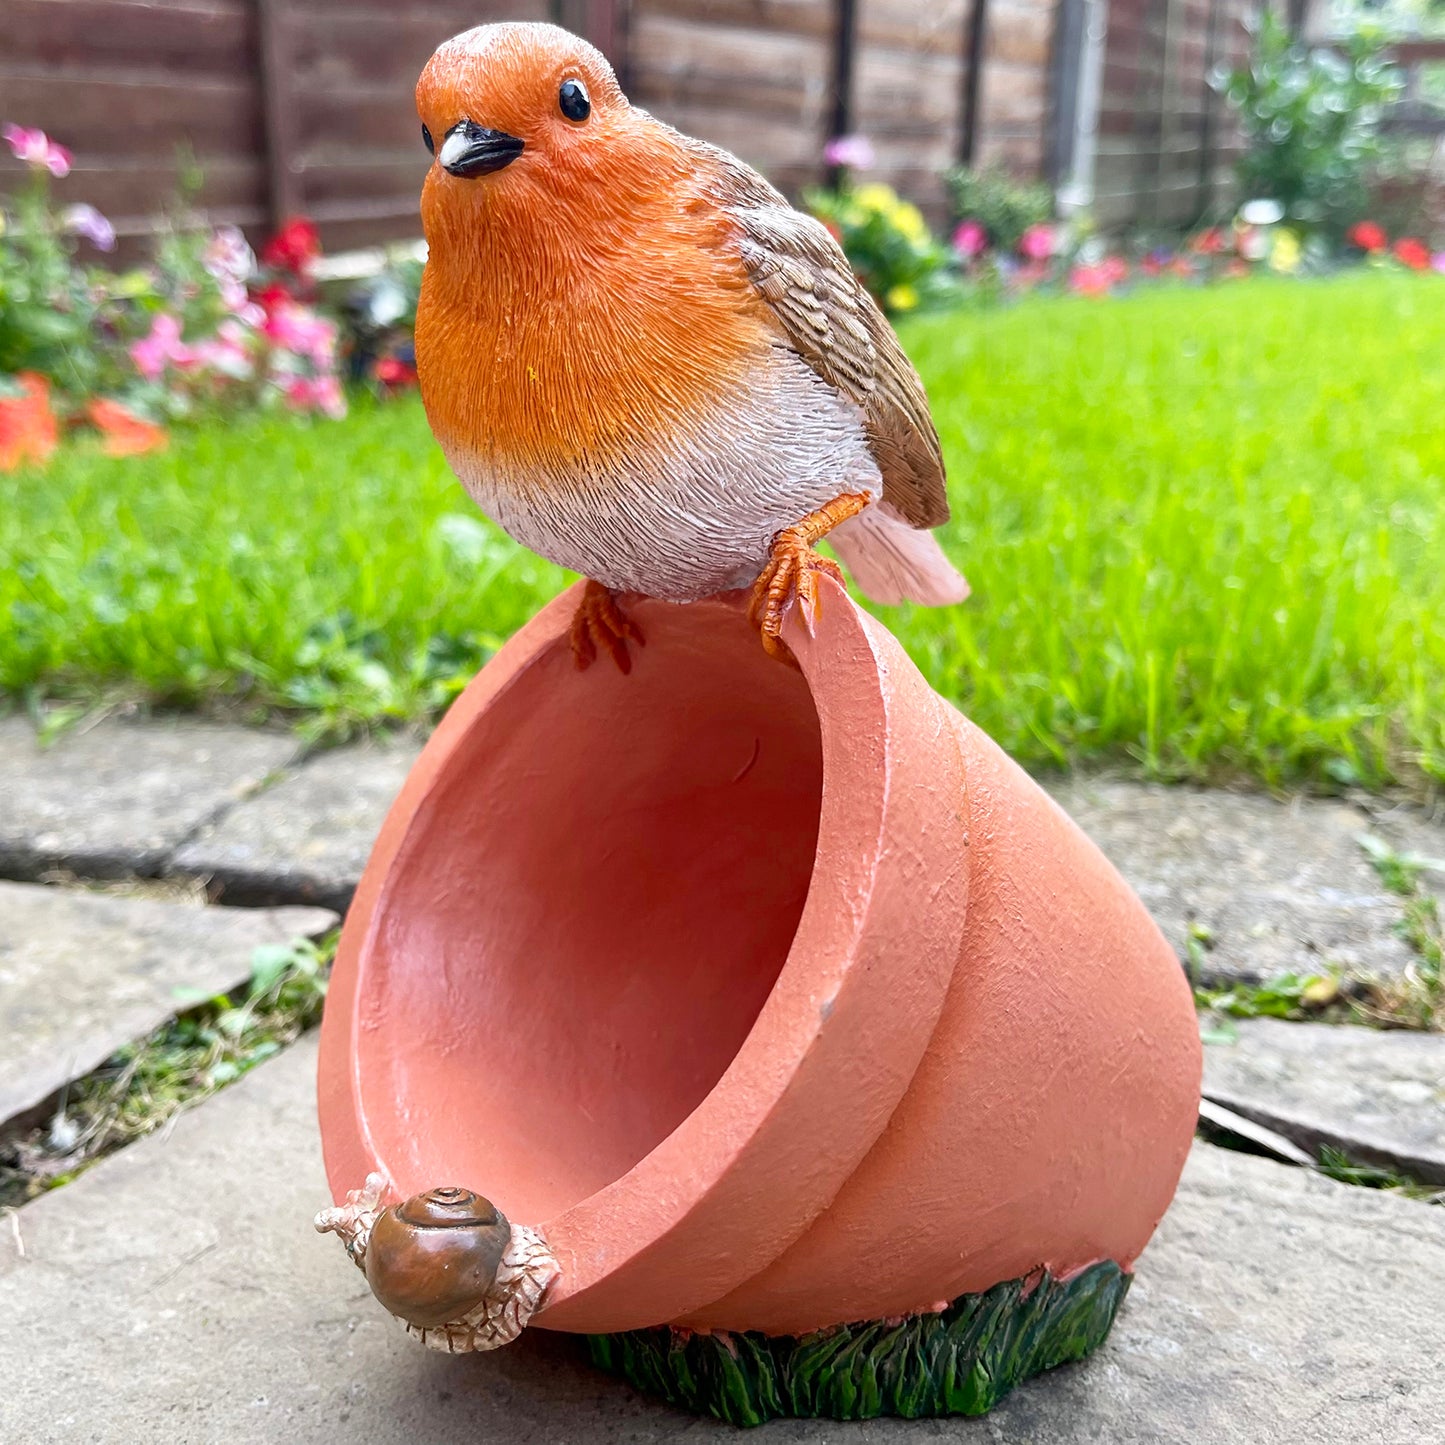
(774, 1000)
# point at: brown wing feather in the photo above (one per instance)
(829, 318)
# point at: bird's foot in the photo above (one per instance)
(792, 572)
(600, 622)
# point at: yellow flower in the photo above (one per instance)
(909, 219)
(1284, 255)
(875, 197)
(901, 298)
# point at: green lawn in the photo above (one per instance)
(1205, 531)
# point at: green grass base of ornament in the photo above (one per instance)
(960, 1362)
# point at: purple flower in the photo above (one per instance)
(853, 151)
(37, 150)
(1437, 262)
(86, 221)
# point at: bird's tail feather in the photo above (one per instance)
(893, 562)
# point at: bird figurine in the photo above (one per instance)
(645, 365)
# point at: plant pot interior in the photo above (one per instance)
(587, 913)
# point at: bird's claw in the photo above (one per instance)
(791, 573)
(600, 622)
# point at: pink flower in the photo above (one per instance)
(316, 393)
(227, 256)
(1089, 281)
(226, 352)
(297, 328)
(1037, 243)
(970, 239)
(37, 150)
(161, 348)
(88, 222)
(1101, 279)
(1437, 262)
(853, 151)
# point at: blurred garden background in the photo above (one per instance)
(1173, 272)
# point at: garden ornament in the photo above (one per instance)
(820, 1062)
(644, 364)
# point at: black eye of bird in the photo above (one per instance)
(573, 99)
(427, 141)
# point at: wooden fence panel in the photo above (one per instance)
(1166, 140)
(1014, 105)
(305, 106)
(908, 94)
(751, 77)
(133, 85)
(130, 87)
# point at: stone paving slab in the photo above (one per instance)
(177, 1293)
(82, 974)
(309, 836)
(1379, 1096)
(116, 799)
(1281, 887)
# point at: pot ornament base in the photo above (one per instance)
(746, 1002)
(960, 1362)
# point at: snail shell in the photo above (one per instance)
(432, 1259)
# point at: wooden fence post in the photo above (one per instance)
(604, 23)
(974, 36)
(840, 111)
(283, 183)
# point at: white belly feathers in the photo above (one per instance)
(685, 516)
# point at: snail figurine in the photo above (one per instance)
(446, 1263)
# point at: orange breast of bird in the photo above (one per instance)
(567, 322)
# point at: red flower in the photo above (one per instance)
(125, 433)
(272, 296)
(1208, 243)
(390, 371)
(1412, 252)
(27, 425)
(1367, 236)
(294, 247)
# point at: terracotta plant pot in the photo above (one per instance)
(774, 1000)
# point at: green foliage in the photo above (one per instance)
(1004, 206)
(1285, 996)
(888, 244)
(1311, 120)
(1203, 530)
(1337, 1165)
(55, 314)
(1417, 1001)
(960, 1362)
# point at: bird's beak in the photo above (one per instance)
(472, 150)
